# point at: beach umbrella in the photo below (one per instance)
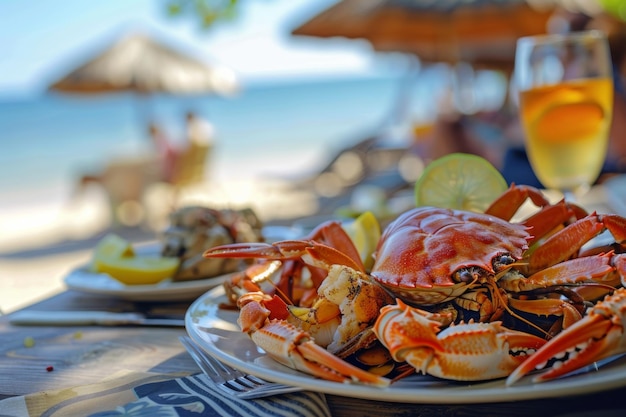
(481, 32)
(144, 65)
(141, 64)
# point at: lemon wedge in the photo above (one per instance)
(138, 270)
(459, 181)
(365, 234)
(116, 257)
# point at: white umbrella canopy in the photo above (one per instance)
(140, 64)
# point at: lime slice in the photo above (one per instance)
(365, 233)
(459, 181)
(138, 270)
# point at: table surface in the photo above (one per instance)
(87, 354)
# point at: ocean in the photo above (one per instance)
(47, 142)
(278, 131)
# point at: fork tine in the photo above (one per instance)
(225, 371)
(231, 380)
(219, 372)
(206, 367)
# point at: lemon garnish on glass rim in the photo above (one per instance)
(365, 234)
(459, 181)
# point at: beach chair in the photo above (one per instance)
(125, 182)
(190, 166)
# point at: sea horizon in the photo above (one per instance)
(269, 131)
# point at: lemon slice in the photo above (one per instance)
(138, 270)
(365, 233)
(459, 181)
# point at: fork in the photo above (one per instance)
(231, 380)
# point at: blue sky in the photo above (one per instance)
(41, 38)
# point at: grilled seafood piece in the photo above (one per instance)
(195, 229)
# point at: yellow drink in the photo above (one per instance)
(567, 129)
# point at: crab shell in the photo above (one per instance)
(421, 250)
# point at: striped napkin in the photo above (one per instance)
(151, 395)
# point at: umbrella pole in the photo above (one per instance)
(144, 113)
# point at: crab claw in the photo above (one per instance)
(262, 317)
(247, 250)
(314, 253)
(296, 349)
(464, 352)
(600, 334)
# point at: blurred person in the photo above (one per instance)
(199, 130)
(166, 151)
(200, 140)
(126, 179)
(166, 154)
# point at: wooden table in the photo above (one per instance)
(88, 354)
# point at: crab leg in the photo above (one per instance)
(511, 200)
(597, 336)
(567, 242)
(315, 253)
(548, 219)
(590, 269)
(328, 234)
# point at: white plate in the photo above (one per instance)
(217, 332)
(83, 280)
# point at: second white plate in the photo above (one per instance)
(81, 279)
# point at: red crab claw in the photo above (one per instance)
(598, 335)
(263, 318)
(314, 253)
(329, 233)
(463, 352)
(296, 349)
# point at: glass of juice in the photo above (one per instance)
(565, 88)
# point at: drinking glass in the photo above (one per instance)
(565, 92)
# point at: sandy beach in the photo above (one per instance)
(41, 243)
